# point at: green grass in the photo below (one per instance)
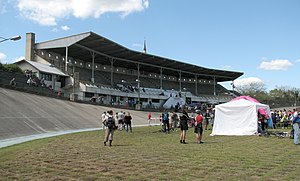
(147, 154)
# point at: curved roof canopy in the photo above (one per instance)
(81, 46)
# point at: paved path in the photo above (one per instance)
(25, 117)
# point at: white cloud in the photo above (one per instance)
(65, 28)
(50, 11)
(246, 81)
(2, 57)
(297, 60)
(275, 65)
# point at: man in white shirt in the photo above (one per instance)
(120, 120)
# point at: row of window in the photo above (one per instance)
(45, 76)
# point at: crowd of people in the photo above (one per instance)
(196, 120)
(111, 122)
(282, 118)
(170, 121)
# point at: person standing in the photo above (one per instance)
(296, 123)
(207, 117)
(174, 119)
(165, 121)
(127, 120)
(149, 119)
(120, 117)
(184, 118)
(273, 117)
(103, 118)
(198, 127)
(111, 125)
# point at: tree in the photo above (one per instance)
(251, 88)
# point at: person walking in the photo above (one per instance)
(184, 118)
(198, 127)
(296, 123)
(127, 120)
(110, 123)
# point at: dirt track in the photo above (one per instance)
(23, 114)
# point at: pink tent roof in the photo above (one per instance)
(248, 98)
(251, 99)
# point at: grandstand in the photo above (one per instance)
(106, 72)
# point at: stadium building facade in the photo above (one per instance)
(100, 70)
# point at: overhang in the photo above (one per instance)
(82, 46)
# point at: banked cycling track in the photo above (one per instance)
(24, 117)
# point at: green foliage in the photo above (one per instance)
(12, 68)
(278, 97)
(1, 66)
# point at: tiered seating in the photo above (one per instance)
(220, 89)
(170, 85)
(100, 77)
(150, 82)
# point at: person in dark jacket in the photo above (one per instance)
(127, 121)
(184, 118)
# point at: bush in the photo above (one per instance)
(12, 68)
(1, 66)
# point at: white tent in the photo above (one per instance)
(237, 117)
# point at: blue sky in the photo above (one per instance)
(258, 37)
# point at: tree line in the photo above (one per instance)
(281, 96)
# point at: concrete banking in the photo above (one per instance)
(25, 117)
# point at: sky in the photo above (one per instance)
(260, 38)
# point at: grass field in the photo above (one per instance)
(147, 154)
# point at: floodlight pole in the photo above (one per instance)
(73, 86)
(184, 94)
(139, 92)
(73, 82)
(14, 38)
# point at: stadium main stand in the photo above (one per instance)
(100, 68)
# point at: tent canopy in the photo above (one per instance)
(238, 117)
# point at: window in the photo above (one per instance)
(155, 100)
(47, 77)
(143, 99)
(89, 94)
